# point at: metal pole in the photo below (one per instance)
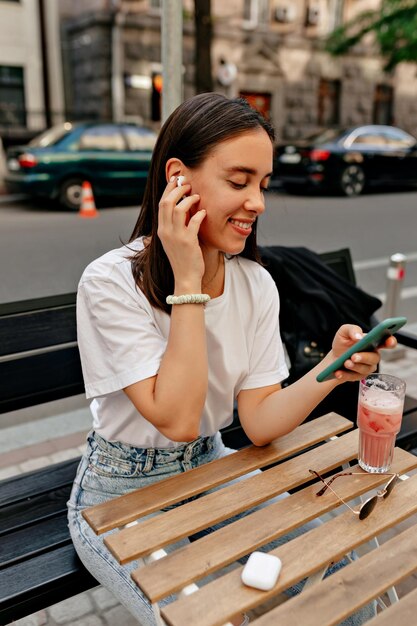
(45, 65)
(117, 85)
(171, 56)
(395, 279)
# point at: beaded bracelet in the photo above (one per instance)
(189, 298)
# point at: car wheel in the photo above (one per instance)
(70, 193)
(352, 180)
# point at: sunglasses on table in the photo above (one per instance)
(366, 507)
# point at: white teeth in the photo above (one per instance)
(245, 225)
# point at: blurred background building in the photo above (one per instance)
(31, 82)
(101, 59)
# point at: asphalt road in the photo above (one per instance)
(43, 251)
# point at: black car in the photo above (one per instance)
(348, 160)
(114, 158)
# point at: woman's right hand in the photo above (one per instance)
(178, 225)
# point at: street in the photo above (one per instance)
(44, 251)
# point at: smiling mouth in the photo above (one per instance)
(244, 225)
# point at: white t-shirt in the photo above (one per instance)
(122, 340)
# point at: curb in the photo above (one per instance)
(15, 197)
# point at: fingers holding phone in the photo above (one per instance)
(361, 356)
(366, 361)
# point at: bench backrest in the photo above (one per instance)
(340, 261)
(39, 359)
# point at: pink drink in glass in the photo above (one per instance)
(380, 408)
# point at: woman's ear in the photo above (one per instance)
(174, 167)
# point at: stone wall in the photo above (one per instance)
(88, 62)
(405, 109)
(289, 66)
(357, 96)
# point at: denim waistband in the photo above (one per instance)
(183, 452)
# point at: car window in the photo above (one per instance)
(326, 135)
(51, 136)
(105, 137)
(398, 139)
(139, 138)
(370, 139)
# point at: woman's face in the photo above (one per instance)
(231, 183)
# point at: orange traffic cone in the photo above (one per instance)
(88, 206)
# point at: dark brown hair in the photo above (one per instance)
(190, 133)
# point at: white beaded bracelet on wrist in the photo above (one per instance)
(189, 298)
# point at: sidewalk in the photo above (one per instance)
(98, 607)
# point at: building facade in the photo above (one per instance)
(269, 51)
(31, 86)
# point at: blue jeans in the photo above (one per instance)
(111, 469)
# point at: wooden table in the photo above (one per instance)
(217, 601)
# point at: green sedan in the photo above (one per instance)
(114, 158)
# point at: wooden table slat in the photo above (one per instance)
(212, 552)
(350, 589)
(219, 600)
(403, 612)
(132, 506)
(155, 533)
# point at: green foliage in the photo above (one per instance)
(394, 26)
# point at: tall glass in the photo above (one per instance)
(380, 410)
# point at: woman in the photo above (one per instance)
(164, 370)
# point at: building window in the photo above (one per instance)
(259, 101)
(329, 103)
(312, 15)
(256, 11)
(383, 105)
(12, 96)
(248, 10)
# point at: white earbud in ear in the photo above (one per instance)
(180, 180)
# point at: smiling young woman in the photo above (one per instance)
(184, 321)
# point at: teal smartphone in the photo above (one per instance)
(372, 340)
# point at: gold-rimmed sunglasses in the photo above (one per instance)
(366, 507)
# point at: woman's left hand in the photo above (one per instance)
(361, 364)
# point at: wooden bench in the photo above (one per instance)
(39, 363)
